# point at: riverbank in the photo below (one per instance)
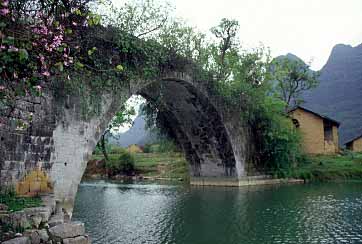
(347, 166)
(147, 166)
(35, 220)
(173, 166)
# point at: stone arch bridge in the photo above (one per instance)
(59, 141)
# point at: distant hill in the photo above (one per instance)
(137, 134)
(339, 94)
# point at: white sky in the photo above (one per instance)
(306, 28)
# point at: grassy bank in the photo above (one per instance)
(170, 165)
(15, 203)
(328, 167)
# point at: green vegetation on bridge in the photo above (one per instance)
(91, 47)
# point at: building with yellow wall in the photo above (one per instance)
(134, 149)
(319, 133)
(355, 144)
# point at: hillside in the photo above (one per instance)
(339, 94)
(137, 134)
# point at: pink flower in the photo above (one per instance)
(16, 75)
(2, 88)
(38, 88)
(4, 11)
(74, 23)
(2, 47)
(46, 73)
(41, 57)
(5, 3)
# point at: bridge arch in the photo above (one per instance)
(60, 141)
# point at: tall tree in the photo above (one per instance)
(292, 77)
(227, 48)
(124, 116)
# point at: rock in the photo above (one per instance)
(3, 207)
(19, 240)
(40, 212)
(67, 230)
(57, 219)
(49, 201)
(36, 221)
(43, 234)
(35, 238)
(76, 240)
(16, 219)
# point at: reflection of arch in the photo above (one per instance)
(296, 123)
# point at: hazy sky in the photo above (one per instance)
(306, 28)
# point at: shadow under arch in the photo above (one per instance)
(195, 124)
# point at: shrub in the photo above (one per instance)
(123, 165)
(147, 148)
(278, 140)
(116, 150)
(167, 145)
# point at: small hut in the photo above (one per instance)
(355, 144)
(134, 149)
(319, 133)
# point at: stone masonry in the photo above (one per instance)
(59, 141)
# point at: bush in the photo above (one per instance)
(163, 146)
(167, 145)
(279, 143)
(147, 148)
(15, 203)
(116, 150)
(123, 165)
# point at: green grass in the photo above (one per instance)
(329, 167)
(162, 165)
(15, 203)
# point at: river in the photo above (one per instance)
(177, 214)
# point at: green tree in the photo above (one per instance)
(139, 18)
(292, 77)
(124, 116)
(226, 50)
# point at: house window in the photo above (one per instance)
(350, 145)
(328, 130)
(296, 123)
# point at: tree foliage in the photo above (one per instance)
(122, 117)
(92, 44)
(292, 78)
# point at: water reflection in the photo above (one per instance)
(324, 213)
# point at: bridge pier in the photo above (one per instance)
(59, 141)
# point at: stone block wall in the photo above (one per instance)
(52, 150)
(25, 147)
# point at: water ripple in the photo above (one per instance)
(162, 214)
